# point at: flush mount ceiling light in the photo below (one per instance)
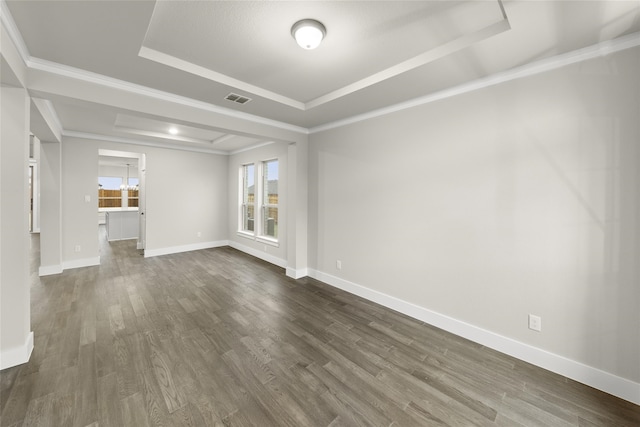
(308, 33)
(173, 130)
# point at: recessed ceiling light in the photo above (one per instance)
(173, 130)
(308, 33)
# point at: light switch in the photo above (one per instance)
(87, 198)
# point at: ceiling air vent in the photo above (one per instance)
(239, 99)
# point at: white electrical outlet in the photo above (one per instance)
(535, 323)
(77, 248)
(339, 264)
(199, 234)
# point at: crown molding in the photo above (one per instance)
(223, 138)
(161, 135)
(591, 52)
(54, 114)
(547, 64)
(253, 147)
(108, 138)
(95, 78)
(14, 34)
(417, 61)
(119, 140)
(75, 73)
(50, 115)
(424, 58)
(197, 70)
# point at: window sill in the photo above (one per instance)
(261, 239)
(268, 241)
(246, 235)
(117, 209)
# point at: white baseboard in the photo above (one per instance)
(297, 274)
(48, 270)
(596, 378)
(259, 254)
(79, 263)
(17, 355)
(184, 248)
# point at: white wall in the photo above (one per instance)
(277, 150)
(186, 193)
(79, 224)
(16, 340)
(51, 208)
(515, 199)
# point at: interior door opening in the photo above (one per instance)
(121, 195)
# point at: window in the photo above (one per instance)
(248, 188)
(259, 195)
(270, 199)
(132, 194)
(109, 193)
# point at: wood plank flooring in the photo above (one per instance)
(218, 338)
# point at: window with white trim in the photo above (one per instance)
(258, 207)
(269, 199)
(247, 201)
(112, 192)
(133, 193)
(109, 192)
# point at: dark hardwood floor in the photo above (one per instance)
(216, 338)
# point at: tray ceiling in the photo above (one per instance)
(376, 54)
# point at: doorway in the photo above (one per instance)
(121, 196)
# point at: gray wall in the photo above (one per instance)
(79, 224)
(15, 324)
(50, 208)
(518, 198)
(186, 193)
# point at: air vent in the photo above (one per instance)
(239, 99)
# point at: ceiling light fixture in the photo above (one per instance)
(173, 130)
(308, 33)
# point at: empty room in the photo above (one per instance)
(320, 213)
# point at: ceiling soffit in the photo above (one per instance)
(416, 33)
(127, 124)
(572, 32)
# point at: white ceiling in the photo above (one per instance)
(375, 54)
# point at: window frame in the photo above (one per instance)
(244, 206)
(259, 207)
(132, 195)
(264, 201)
